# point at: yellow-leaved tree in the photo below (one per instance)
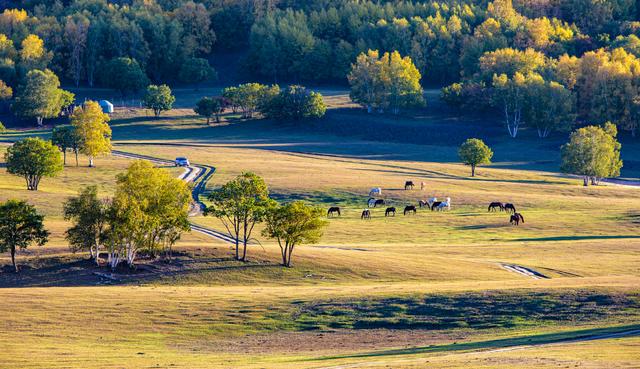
(91, 126)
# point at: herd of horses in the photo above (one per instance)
(432, 203)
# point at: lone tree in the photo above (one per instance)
(93, 131)
(33, 158)
(474, 152)
(40, 96)
(209, 107)
(64, 138)
(20, 226)
(294, 224)
(89, 215)
(240, 204)
(158, 99)
(593, 153)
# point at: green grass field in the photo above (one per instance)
(407, 291)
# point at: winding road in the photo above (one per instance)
(199, 175)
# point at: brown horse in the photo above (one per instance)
(409, 209)
(366, 214)
(408, 185)
(389, 211)
(332, 210)
(516, 218)
(494, 205)
(510, 207)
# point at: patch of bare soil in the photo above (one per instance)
(327, 341)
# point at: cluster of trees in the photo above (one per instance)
(34, 158)
(147, 214)
(244, 202)
(292, 103)
(551, 94)
(384, 82)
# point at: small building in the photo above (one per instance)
(106, 106)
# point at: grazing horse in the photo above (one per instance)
(366, 214)
(422, 203)
(516, 218)
(409, 209)
(390, 210)
(510, 208)
(422, 186)
(376, 191)
(442, 205)
(332, 210)
(494, 205)
(431, 201)
(374, 203)
(408, 185)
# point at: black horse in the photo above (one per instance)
(494, 205)
(510, 208)
(366, 214)
(390, 211)
(409, 209)
(378, 202)
(516, 218)
(408, 185)
(435, 205)
(332, 210)
(423, 203)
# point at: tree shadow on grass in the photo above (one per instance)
(631, 330)
(576, 238)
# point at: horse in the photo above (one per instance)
(390, 210)
(333, 209)
(366, 214)
(435, 205)
(376, 191)
(422, 186)
(442, 205)
(409, 209)
(510, 208)
(422, 203)
(516, 218)
(408, 185)
(431, 201)
(494, 205)
(374, 203)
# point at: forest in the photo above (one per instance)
(580, 56)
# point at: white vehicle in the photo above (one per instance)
(182, 162)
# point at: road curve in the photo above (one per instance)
(197, 174)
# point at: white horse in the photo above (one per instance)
(431, 201)
(376, 191)
(371, 203)
(445, 205)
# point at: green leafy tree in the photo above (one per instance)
(64, 138)
(292, 225)
(367, 87)
(89, 215)
(124, 75)
(92, 130)
(510, 95)
(33, 158)
(196, 71)
(20, 226)
(474, 152)
(249, 96)
(39, 96)
(240, 204)
(149, 213)
(549, 107)
(209, 107)
(294, 103)
(158, 99)
(593, 153)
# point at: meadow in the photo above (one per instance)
(403, 291)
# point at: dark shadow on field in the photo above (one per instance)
(631, 330)
(481, 226)
(577, 238)
(468, 310)
(338, 198)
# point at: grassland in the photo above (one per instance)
(409, 291)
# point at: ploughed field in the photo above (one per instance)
(434, 288)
